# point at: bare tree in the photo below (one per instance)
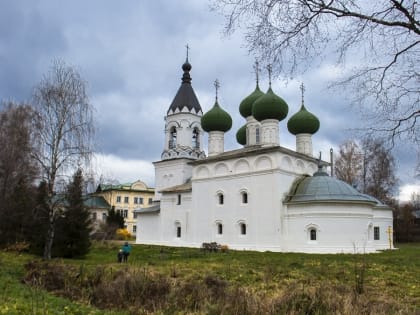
(369, 167)
(64, 130)
(382, 39)
(348, 165)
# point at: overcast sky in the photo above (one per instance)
(131, 52)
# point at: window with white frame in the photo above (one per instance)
(312, 234)
(244, 197)
(178, 229)
(221, 198)
(125, 213)
(178, 199)
(126, 199)
(118, 199)
(150, 201)
(242, 228)
(134, 229)
(172, 138)
(136, 200)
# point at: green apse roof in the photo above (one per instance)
(241, 135)
(323, 188)
(270, 106)
(303, 122)
(245, 108)
(216, 119)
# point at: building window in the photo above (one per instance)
(257, 135)
(134, 215)
(221, 199)
(178, 202)
(244, 197)
(376, 233)
(172, 138)
(219, 228)
(104, 215)
(125, 199)
(136, 200)
(195, 139)
(141, 200)
(134, 228)
(312, 234)
(150, 201)
(125, 213)
(243, 228)
(118, 199)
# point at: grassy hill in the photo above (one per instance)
(184, 280)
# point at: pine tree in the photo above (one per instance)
(73, 229)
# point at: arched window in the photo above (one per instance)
(178, 202)
(221, 198)
(195, 138)
(244, 197)
(219, 228)
(312, 234)
(242, 227)
(172, 138)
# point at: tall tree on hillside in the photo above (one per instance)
(74, 226)
(376, 43)
(370, 168)
(17, 171)
(64, 130)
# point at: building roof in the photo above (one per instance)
(303, 122)
(178, 188)
(270, 106)
(96, 202)
(135, 186)
(155, 208)
(245, 107)
(255, 150)
(322, 188)
(185, 97)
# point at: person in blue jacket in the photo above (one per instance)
(126, 251)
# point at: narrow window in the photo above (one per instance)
(172, 138)
(257, 135)
(104, 215)
(125, 199)
(178, 231)
(221, 199)
(376, 233)
(312, 235)
(118, 198)
(134, 215)
(125, 213)
(140, 200)
(195, 139)
(243, 228)
(150, 201)
(244, 197)
(219, 228)
(136, 200)
(134, 228)
(178, 202)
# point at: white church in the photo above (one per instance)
(261, 197)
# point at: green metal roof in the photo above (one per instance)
(241, 135)
(303, 122)
(216, 119)
(245, 107)
(270, 106)
(323, 188)
(96, 202)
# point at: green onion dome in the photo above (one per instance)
(241, 135)
(245, 108)
(270, 106)
(216, 119)
(303, 122)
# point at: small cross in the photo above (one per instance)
(302, 88)
(188, 48)
(270, 69)
(217, 86)
(257, 70)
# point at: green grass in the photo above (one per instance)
(391, 277)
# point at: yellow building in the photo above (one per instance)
(125, 198)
